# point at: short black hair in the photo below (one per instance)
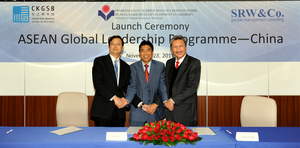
(144, 42)
(114, 37)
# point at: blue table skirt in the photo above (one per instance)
(280, 137)
(92, 137)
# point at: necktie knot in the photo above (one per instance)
(146, 66)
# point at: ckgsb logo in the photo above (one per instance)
(20, 14)
(256, 13)
(105, 12)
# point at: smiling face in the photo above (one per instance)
(146, 53)
(115, 47)
(178, 48)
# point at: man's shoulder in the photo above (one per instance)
(100, 58)
(170, 60)
(193, 59)
(135, 64)
(155, 62)
(193, 62)
(123, 62)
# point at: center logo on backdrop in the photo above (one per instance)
(105, 12)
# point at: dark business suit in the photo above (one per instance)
(104, 112)
(182, 85)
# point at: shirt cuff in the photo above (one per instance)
(172, 101)
(140, 104)
(112, 98)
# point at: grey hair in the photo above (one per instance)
(178, 37)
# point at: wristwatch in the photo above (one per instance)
(140, 105)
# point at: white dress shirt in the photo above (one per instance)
(113, 59)
(180, 60)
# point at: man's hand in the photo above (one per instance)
(150, 108)
(124, 102)
(117, 101)
(169, 104)
(120, 102)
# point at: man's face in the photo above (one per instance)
(146, 53)
(178, 48)
(115, 46)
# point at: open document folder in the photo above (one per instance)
(66, 130)
(133, 129)
(203, 131)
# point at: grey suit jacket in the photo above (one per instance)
(147, 91)
(184, 90)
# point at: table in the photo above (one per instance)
(270, 137)
(92, 137)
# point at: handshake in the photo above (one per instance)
(149, 108)
(120, 102)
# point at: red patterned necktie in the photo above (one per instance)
(146, 72)
(177, 64)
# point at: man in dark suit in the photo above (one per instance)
(183, 76)
(147, 88)
(110, 78)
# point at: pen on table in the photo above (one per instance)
(228, 132)
(9, 131)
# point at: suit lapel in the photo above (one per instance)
(169, 71)
(152, 70)
(122, 72)
(152, 73)
(111, 69)
(141, 73)
(182, 68)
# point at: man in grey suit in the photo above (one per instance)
(147, 88)
(183, 76)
